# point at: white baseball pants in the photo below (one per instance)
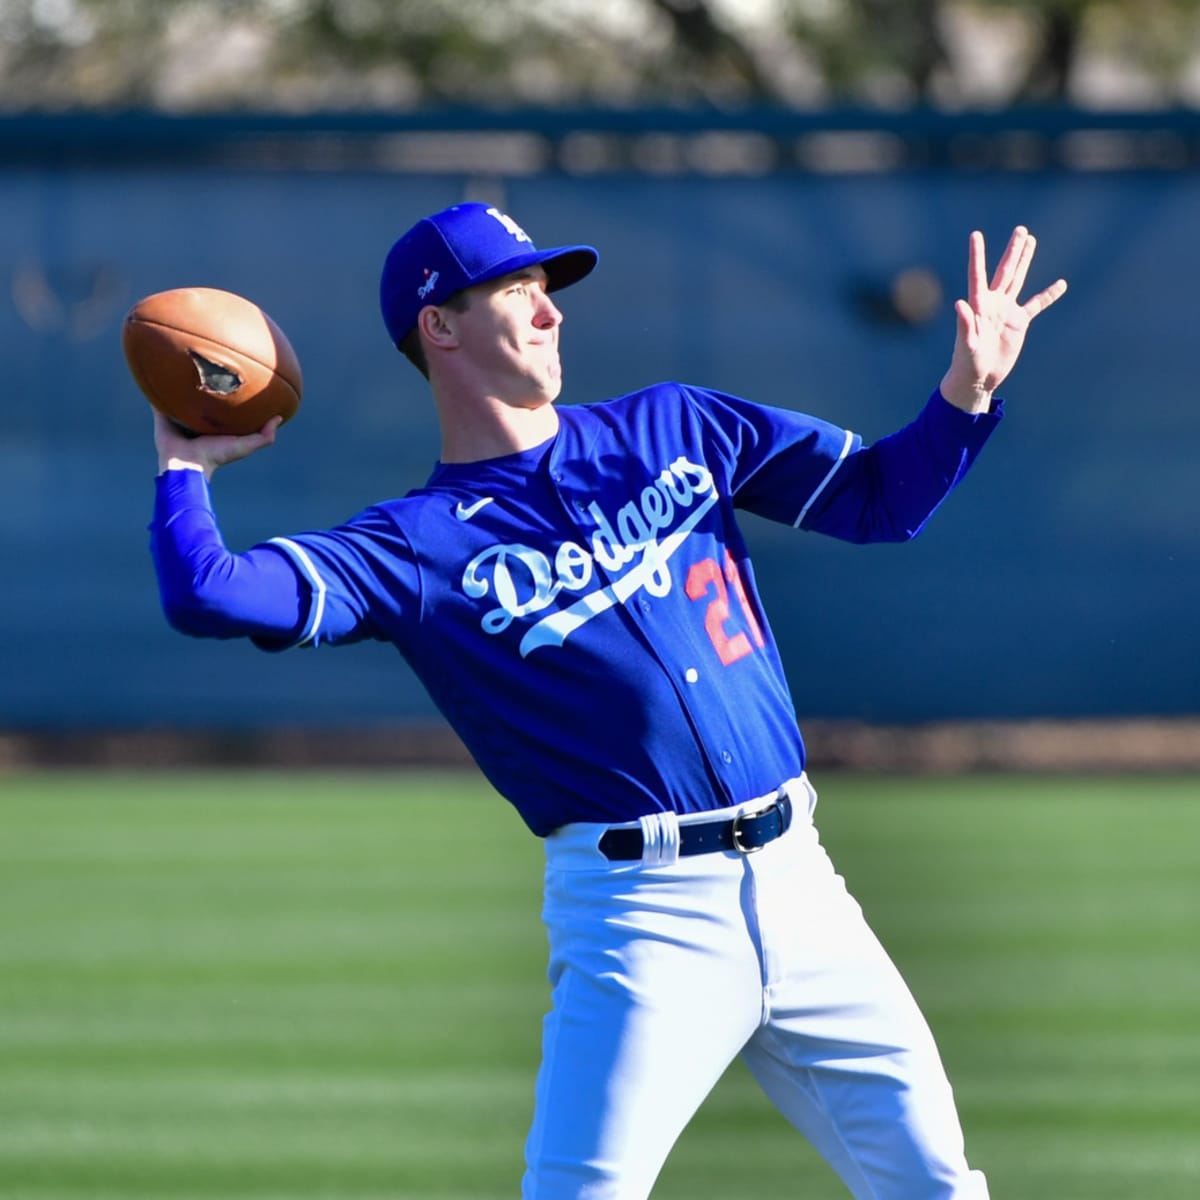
(664, 970)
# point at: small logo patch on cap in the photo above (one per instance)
(431, 278)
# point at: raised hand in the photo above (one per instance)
(176, 451)
(992, 321)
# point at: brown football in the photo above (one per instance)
(212, 361)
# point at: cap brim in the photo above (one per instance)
(568, 265)
(564, 265)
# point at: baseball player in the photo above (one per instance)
(572, 588)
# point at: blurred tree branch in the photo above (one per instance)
(398, 54)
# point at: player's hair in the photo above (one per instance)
(411, 346)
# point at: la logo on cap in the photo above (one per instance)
(510, 225)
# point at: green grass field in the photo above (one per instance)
(284, 987)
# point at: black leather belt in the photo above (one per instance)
(744, 833)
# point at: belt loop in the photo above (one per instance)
(660, 839)
(803, 794)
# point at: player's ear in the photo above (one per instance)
(436, 327)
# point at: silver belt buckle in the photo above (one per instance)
(735, 831)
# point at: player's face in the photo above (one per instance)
(509, 335)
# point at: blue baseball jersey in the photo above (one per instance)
(585, 614)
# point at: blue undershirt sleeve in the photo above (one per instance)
(206, 591)
(886, 492)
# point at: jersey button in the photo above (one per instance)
(727, 756)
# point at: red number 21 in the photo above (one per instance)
(706, 575)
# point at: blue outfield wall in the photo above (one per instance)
(1063, 579)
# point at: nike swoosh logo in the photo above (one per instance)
(464, 512)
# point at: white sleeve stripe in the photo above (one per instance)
(841, 458)
(314, 577)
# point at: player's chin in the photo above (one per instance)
(535, 394)
(548, 384)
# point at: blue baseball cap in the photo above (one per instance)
(458, 248)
